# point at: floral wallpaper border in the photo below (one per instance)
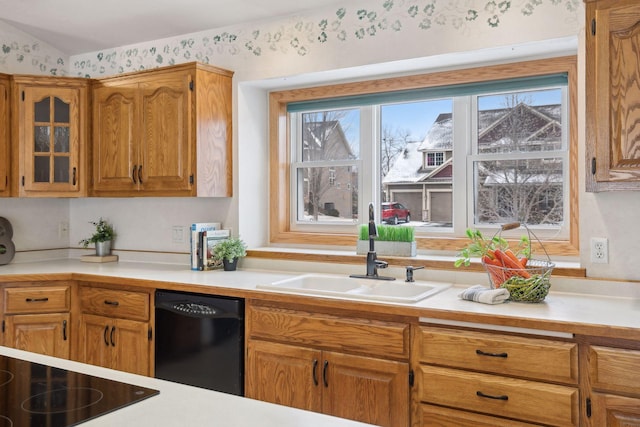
(301, 36)
(298, 36)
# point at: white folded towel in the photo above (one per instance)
(479, 293)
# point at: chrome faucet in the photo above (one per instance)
(373, 263)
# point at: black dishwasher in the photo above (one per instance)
(200, 340)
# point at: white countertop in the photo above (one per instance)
(565, 303)
(181, 405)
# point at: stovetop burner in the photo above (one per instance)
(33, 395)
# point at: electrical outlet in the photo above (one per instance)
(599, 250)
(177, 234)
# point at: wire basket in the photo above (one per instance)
(530, 284)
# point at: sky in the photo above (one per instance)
(417, 117)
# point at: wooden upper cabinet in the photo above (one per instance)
(50, 129)
(612, 93)
(163, 132)
(4, 135)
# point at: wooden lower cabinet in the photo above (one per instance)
(615, 386)
(329, 364)
(437, 416)
(115, 328)
(362, 388)
(485, 378)
(609, 410)
(39, 333)
(37, 317)
(115, 343)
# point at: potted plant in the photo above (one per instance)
(392, 240)
(102, 237)
(229, 251)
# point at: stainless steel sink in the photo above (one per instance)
(347, 287)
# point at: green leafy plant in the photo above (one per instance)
(481, 246)
(388, 233)
(104, 232)
(230, 249)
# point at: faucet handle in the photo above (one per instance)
(410, 269)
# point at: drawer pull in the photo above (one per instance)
(64, 330)
(488, 396)
(104, 335)
(324, 373)
(315, 372)
(113, 303)
(45, 299)
(113, 329)
(484, 353)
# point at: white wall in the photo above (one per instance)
(331, 45)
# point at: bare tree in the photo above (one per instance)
(393, 143)
(525, 190)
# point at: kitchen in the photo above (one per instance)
(551, 30)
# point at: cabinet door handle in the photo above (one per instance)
(484, 353)
(133, 174)
(64, 330)
(113, 329)
(488, 396)
(140, 174)
(113, 303)
(104, 335)
(74, 177)
(315, 371)
(45, 299)
(324, 373)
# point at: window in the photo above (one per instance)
(435, 159)
(502, 148)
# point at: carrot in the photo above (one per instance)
(512, 263)
(524, 261)
(488, 260)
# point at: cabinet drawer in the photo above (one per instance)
(614, 369)
(115, 303)
(43, 299)
(534, 358)
(386, 339)
(437, 416)
(492, 394)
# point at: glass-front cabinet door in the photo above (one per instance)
(51, 141)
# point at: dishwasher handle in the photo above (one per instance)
(197, 310)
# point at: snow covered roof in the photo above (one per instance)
(407, 165)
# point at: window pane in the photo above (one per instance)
(61, 169)
(520, 122)
(41, 169)
(41, 139)
(327, 194)
(330, 135)
(529, 191)
(416, 142)
(61, 139)
(41, 110)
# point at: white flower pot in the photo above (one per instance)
(405, 249)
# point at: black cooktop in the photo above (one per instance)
(34, 395)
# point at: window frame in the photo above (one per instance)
(280, 230)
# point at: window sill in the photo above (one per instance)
(430, 262)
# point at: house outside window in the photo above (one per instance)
(499, 152)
